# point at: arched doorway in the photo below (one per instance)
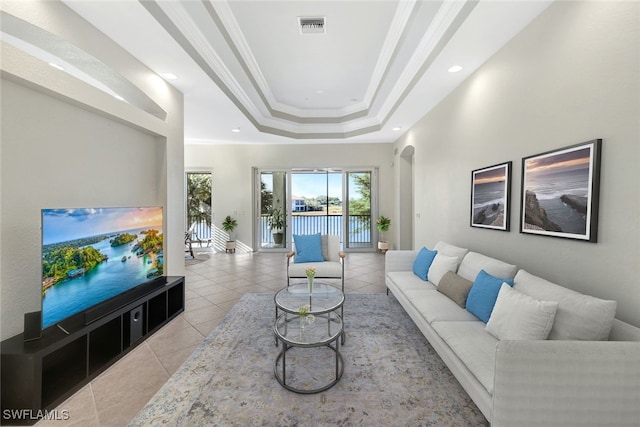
(405, 170)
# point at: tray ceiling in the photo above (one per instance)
(361, 71)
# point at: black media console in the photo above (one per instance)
(39, 375)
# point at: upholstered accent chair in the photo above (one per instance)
(330, 267)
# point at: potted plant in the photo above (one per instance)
(229, 224)
(276, 224)
(383, 224)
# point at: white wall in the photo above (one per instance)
(232, 171)
(67, 144)
(573, 75)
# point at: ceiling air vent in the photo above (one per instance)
(317, 25)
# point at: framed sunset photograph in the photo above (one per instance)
(490, 194)
(560, 192)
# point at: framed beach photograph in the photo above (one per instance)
(490, 194)
(560, 192)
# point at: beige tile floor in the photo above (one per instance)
(214, 283)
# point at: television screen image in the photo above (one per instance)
(92, 255)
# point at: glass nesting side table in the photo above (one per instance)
(313, 334)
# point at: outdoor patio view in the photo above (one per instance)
(316, 206)
(199, 207)
(327, 202)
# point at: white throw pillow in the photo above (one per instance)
(579, 316)
(440, 266)
(517, 316)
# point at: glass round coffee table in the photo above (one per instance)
(309, 336)
(324, 299)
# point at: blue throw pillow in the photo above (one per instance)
(483, 295)
(422, 262)
(308, 248)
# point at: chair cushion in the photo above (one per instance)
(483, 294)
(325, 269)
(308, 248)
(330, 247)
(422, 262)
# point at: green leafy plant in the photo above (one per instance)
(275, 220)
(229, 224)
(383, 223)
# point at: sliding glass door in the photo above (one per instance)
(198, 210)
(272, 203)
(309, 201)
(316, 197)
(359, 209)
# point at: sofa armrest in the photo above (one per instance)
(566, 383)
(399, 260)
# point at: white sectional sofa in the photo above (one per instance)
(587, 373)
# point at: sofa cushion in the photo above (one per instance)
(435, 306)
(517, 316)
(473, 262)
(405, 280)
(422, 262)
(475, 347)
(455, 287)
(483, 294)
(440, 266)
(450, 250)
(579, 316)
(308, 248)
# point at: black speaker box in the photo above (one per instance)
(136, 324)
(32, 325)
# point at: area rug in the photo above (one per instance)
(200, 257)
(392, 376)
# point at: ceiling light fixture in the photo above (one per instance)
(169, 76)
(236, 130)
(397, 128)
(455, 69)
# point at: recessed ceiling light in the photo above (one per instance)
(319, 91)
(56, 66)
(397, 128)
(236, 130)
(455, 69)
(169, 76)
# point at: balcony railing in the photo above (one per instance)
(359, 228)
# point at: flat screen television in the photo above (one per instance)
(92, 255)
